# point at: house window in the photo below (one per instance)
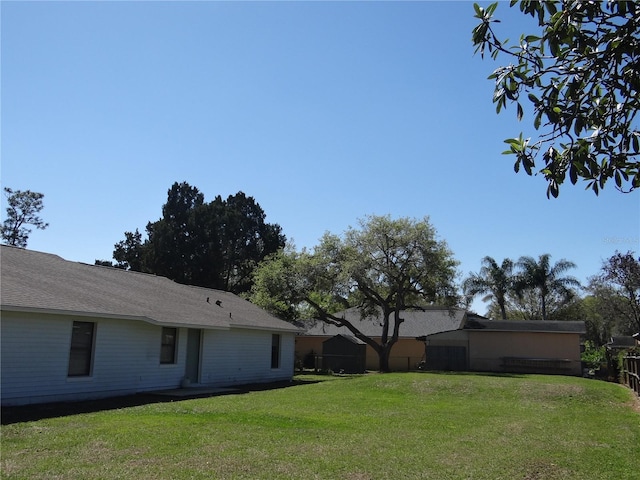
(275, 351)
(81, 351)
(168, 346)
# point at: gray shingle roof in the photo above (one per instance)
(32, 280)
(416, 323)
(526, 326)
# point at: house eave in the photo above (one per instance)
(516, 330)
(112, 316)
(293, 329)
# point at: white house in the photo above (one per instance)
(72, 331)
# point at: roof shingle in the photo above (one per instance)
(416, 323)
(32, 280)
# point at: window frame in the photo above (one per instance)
(81, 352)
(275, 350)
(168, 346)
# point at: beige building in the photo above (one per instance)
(406, 354)
(443, 339)
(509, 346)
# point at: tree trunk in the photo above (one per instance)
(384, 359)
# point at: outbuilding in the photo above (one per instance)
(345, 354)
(540, 346)
(407, 354)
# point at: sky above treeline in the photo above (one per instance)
(324, 112)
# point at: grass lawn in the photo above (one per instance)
(391, 426)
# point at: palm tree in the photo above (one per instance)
(545, 280)
(493, 281)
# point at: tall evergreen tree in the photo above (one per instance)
(215, 245)
(22, 211)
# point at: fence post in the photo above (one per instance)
(631, 372)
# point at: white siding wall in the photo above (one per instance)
(126, 359)
(35, 356)
(241, 356)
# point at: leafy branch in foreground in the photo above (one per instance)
(581, 73)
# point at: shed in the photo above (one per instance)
(344, 353)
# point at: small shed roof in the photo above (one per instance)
(349, 338)
(36, 281)
(621, 342)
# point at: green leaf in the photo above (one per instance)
(573, 174)
(618, 179)
(578, 125)
(551, 8)
(527, 164)
(537, 120)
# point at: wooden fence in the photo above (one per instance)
(631, 372)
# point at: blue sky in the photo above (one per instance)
(324, 112)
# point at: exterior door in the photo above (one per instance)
(446, 358)
(192, 371)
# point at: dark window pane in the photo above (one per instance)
(275, 351)
(168, 347)
(81, 351)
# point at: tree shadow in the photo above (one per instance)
(478, 374)
(34, 412)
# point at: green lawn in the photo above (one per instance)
(391, 426)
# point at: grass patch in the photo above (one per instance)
(409, 425)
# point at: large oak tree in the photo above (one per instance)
(383, 268)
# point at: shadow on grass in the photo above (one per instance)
(478, 374)
(29, 413)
